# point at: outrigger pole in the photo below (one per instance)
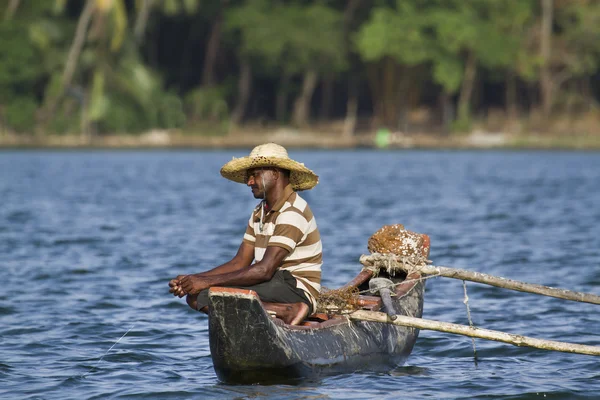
(517, 340)
(391, 262)
(464, 275)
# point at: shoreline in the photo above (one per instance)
(303, 139)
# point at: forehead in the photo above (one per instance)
(252, 171)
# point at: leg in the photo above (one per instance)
(290, 313)
(192, 300)
(280, 295)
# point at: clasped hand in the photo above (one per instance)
(187, 284)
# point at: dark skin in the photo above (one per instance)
(267, 183)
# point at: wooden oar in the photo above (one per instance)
(465, 330)
(491, 280)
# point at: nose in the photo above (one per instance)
(250, 180)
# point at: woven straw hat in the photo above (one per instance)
(270, 155)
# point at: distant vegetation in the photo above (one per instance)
(96, 67)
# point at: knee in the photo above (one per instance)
(192, 300)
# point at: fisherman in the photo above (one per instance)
(281, 238)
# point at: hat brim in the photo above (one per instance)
(301, 178)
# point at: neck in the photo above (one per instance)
(274, 193)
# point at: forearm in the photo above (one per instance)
(237, 272)
(242, 258)
(228, 267)
(245, 276)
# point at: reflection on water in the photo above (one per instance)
(88, 241)
(410, 371)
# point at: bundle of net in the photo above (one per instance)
(397, 246)
(338, 301)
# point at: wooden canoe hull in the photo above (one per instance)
(249, 346)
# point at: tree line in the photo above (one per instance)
(109, 66)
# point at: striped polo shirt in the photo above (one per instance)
(290, 224)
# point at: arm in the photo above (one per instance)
(243, 258)
(249, 275)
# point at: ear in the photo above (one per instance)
(276, 174)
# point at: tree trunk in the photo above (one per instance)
(84, 124)
(588, 96)
(376, 95)
(389, 89)
(351, 110)
(327, 97)
(466, 90)
(511, 95)
(403, 102)
(545, 54)
(282, 97)
(212, 50)
(351, 7)
(244, 89)
(352, 101)
(141, 21)
(447, 112)
(72, 59)
(11, 9)
(302, 103)
(78, 42)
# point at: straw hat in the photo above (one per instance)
(270, 155)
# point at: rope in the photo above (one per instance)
(340, 300)
(376, 261)
(466, 302)
(107, 351)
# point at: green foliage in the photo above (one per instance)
(99, 102)
(462, 124)
(19, 62)
(440, 32)
(581, 37)
(53, 86)
(127, 92)
(207, 104)
(19, 114)
(171, 112)
(173, 7)
(122, 117)
(398, 33)
(66, 120)
(448, 72)
(130, 98)
(295, 37)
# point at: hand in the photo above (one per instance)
(193, 284)
(175, 287)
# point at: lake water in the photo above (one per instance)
(89, 240)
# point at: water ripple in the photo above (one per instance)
(88, 241)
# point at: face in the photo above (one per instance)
(260, 180)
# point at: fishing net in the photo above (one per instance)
(407, 247)
(336, 301)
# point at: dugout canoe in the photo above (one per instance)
(249, 346)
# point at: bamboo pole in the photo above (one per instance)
(517, 340)
(491, 280)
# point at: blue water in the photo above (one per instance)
(89, 240)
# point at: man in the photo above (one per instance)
(281, 238)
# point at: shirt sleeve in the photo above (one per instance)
(249, 236)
